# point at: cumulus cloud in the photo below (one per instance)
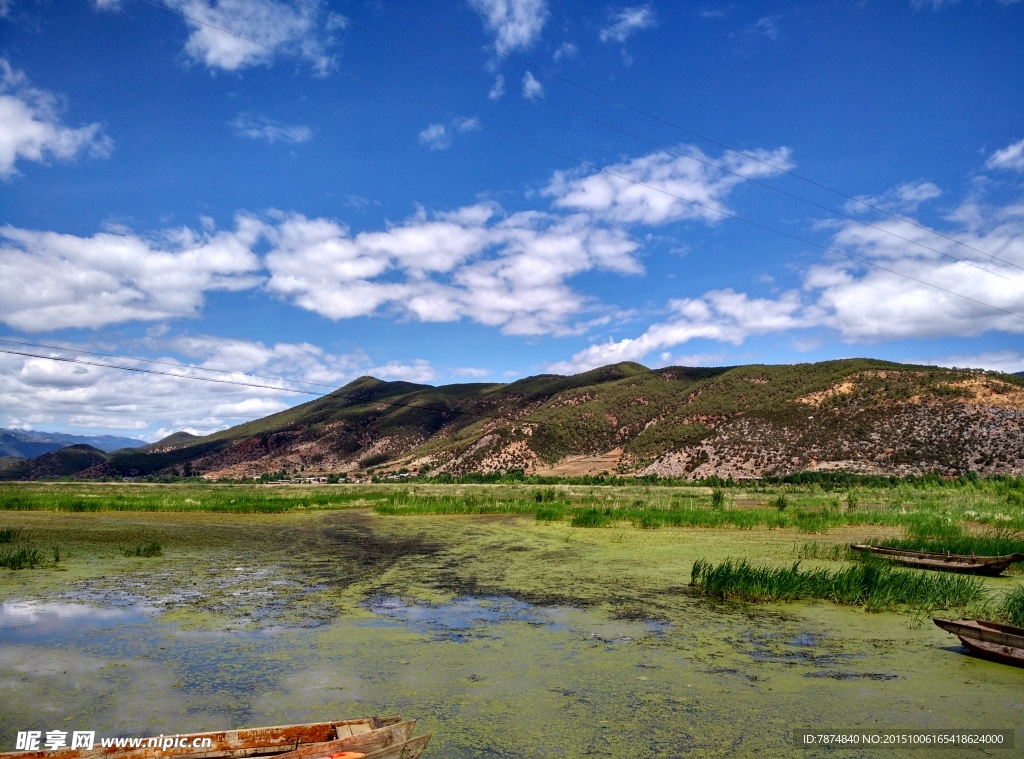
(516, 24)
(498, 88)
(36, 392)
(618, 198)
(532, 88)
(566, 50)
(1010, 157)
(295, 29)
(1008, 361)
(863, 304)
(439, 136)
(52, 281)
(722, 315)
(626, 22)
(263, 128)
(903, 199)
(508, 272)
(436, 137)
(30, 127)
(766, 26)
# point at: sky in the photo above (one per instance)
(294, 194)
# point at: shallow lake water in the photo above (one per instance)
(244, 638)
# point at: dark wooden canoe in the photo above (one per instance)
(990, 640)
(349, 735)
(943, 562)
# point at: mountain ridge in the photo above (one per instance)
(860, 415)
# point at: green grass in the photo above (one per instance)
(872, 585)
(146, 550)
(453, 504)
(248, 499)
(592, 518)
(26, 557)
(950, 537)
(1012, 607)
(9, 534)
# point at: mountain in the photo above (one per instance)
(28, 443)
(60, 463)
(857, 415)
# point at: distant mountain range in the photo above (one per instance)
(857, 415)
(28, 443)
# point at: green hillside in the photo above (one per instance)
(752, 420)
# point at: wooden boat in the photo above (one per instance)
(990, 640)
(371, 737)
(943, 562)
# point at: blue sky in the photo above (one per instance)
(171, 191)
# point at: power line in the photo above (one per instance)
(674, 150)
(337, 394)
(634, 109)
(162, 363)
(591, 166)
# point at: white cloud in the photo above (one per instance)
(532, 88)
(436, 137)
(903, 199)
(295, 29)
(516, 24)
(722, 315)
(263, 128)
(1008, 361)
(30, 127)
(108, 5)
(1010, 157)
(863, 304)
(439, 136)
(505, 272)
(36, 392)
(52, 281)
(498, 88)
(471, 371)
(565, 50)
(619, 199)
(626, 22)
(767, 26)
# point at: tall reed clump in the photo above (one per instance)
(26, 557)
(592, 518)
(144, 550)
(9, 534)
(941, 536)
(1012, 607)
(872, 585)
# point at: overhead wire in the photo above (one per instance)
(666, 122)
(337, 394)
(656, 143)
(588, 165)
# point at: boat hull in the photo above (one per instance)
(989, 566)
(988, 640)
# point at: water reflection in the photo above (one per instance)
(33, 622)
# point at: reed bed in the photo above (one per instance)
(1012, 607)
(25, 557)
(450, 504)
(144, 550)
(998, 542)
(210, 498)
(872, 585)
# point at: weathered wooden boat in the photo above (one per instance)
(943, 562)
(371, 737)
(990, 640)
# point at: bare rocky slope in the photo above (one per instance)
(748, 421)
